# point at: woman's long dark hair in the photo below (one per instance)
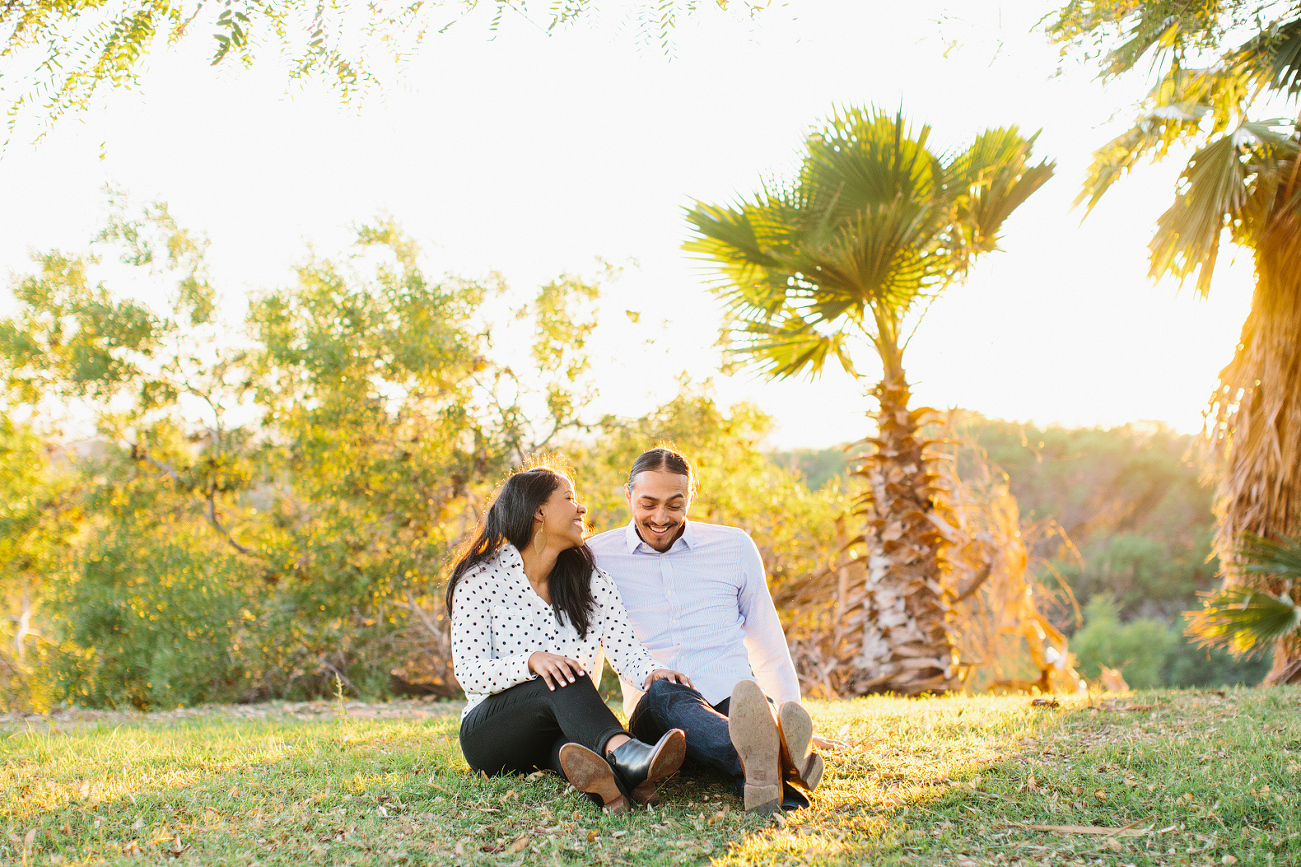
(510, 519)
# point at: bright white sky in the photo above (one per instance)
(533, 155)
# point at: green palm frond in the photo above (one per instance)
(992, 179)
(1271, 59)
(731, 237)
(862, 160)
(1275, 558)
(1178, 110)
(1187, 239)
(789, 347)
(1250, 619)
(1227, 181)
(1244, 620)
(872, 224)
(875, 257)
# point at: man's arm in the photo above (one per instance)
(765, 643)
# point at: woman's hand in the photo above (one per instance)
(668, 674)
(555, 670)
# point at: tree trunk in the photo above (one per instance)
(1255, 422)
(903, 645)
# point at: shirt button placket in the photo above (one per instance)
(666, 570)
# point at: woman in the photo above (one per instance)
(531, 616)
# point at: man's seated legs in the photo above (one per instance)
(668, 705)
(753, 742)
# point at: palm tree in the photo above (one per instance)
(1243, 178)
(874, 226)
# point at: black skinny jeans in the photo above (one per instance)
(523, 728)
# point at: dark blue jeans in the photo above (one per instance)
(668, 705)
(524, 727)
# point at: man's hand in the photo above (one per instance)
(555, 670)
(668, 674)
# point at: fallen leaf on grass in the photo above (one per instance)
(518, 845)
(1126, 831)
(829, 745)
(176, 850)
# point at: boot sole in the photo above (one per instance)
(796, 729)
(754, 734)
(588, 772)
(669, 754)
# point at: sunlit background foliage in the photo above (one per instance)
(201, 503)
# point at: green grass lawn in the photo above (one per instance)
(1175, 778)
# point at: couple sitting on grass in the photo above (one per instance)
(534, 610)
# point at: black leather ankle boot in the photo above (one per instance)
(640, 766)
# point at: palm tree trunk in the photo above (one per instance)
(903, 645)
(1255, 422)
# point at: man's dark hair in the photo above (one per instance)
(510, 519)
(663, 459)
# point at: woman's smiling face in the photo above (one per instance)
(562, 515)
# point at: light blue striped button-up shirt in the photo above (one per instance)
(701, 608)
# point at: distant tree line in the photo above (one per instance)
(1127, 527)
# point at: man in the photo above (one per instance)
(698, 598)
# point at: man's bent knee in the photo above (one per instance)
(666, 687)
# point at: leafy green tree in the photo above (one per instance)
(874, 226)
(1137, 649)
(1152, 653)
(63, 51)
(271, 502)
(1244, 178)
(39, 519)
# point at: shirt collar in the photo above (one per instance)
(632, 539)
(509, 555)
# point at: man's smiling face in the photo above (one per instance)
(659, 500)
